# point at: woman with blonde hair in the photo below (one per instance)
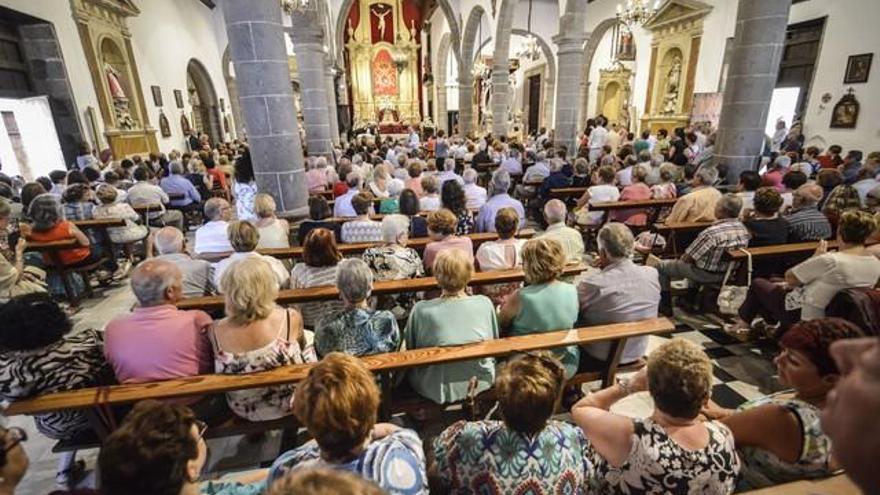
(454, 318)
(338, 404)
(244, 238)
(257, 335)
(528, 388)
(697, 457)
(546, 303)
(274, 231)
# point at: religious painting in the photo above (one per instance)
(858, 67)
(178, 98)
(222, 105)
(226, 124)
(164, 126)
(384, 75)
(626, 47)
(157, 95)
(846, 112)
(184, 124)
(381, 23)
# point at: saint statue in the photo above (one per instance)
(381, 17)
(412, 30)
(113, 84)
(350, 30)
(673, 81)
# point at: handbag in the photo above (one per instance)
(732, 296)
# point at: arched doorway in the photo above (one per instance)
(203, 101)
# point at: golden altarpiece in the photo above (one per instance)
(382, 40)
(677, 30)
(106, 42)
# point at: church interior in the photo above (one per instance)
(439, 246)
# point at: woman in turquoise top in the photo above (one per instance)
(452, 319)
(780, 437)
(545, 304)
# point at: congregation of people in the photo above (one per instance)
(194, 224)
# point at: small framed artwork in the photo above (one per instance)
(184, 124)
(164, 126)
(858, 67)
(222, 105)
(157, 95)
(846, 112)
(178, 98)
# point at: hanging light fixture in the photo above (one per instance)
(530, 48)
(480, 69)
(636, 12)
(399, 56)
(291, 7)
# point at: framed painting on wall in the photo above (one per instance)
(858, 67)
(846, 112)
(164, 126)
(184, 124)
(178, 98)
(157, 95)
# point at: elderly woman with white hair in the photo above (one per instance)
(394, 261)
(431, 187)
(244, 237)
(379, 182)
(257, 335)
(499, 198)
(391, 204)
(274, 231)
(475, 195)
(356, 329)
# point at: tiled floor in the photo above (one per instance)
(742, 372)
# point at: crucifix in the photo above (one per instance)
(381, 16)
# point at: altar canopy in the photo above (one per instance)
(383, 62)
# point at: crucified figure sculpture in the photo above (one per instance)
(381, 16)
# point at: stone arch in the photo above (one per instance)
(440, 118)
(232, 89)
(470, 33)
(448, 12)
(203, 99)
(550, 79)
(590, 48)
(465, 78)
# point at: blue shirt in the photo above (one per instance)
(486, 218)
(342, 207)
(396, 463)
(178, 184)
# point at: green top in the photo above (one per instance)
(445, 322)
(388, 206)
(546, 308)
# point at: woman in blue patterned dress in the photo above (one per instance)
(526, 452)
(338, 403)
(356, 329)
(673, 450)
(780, 436)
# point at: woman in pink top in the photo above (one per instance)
(502, 254)
(441, 230)
(414, 183)
(637, 191)
(316, 177)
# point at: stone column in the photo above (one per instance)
(440, 105)
(308, 44)
(570, 61)
(500, 100)
(265, 95)
(330, 90)
(751, 77)
(465, 103)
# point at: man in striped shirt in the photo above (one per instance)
(805, 221)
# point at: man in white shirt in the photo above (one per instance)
(598, 137)
(145, 193)
(212, 237)
(413, 138)
(570, 239)
(475, 195)
(539, 171)
(342, 206)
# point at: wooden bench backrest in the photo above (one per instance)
(330, 292)
(778, 250)
(379, 363)
(567, 192)
(417, 243)
(623, 205)
(52, 245)
(681, 227)
(99, 223)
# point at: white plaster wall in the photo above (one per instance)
(850, 29)
(58, 12)
(166, 35)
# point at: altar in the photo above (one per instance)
(383, 63)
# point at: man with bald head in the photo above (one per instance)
(571, 240)
(805, 221)
(157, 341)
(169, 243)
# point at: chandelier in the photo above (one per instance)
(636, 12)
(481, 70)
(530, 48)
(399, 56)
(291, 7)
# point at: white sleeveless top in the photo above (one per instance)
(273, 235)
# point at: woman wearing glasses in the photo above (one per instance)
(39, 354)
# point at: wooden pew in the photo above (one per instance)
(838, 484)
(100, 226)
(330, 292)
(567, 192)
(328, 195)
(145, 210)
(100, 401)
(672, 231)
(51, 249)
(417, 243)
(655, 204)
(778, 250)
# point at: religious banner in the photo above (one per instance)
(384, 75)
